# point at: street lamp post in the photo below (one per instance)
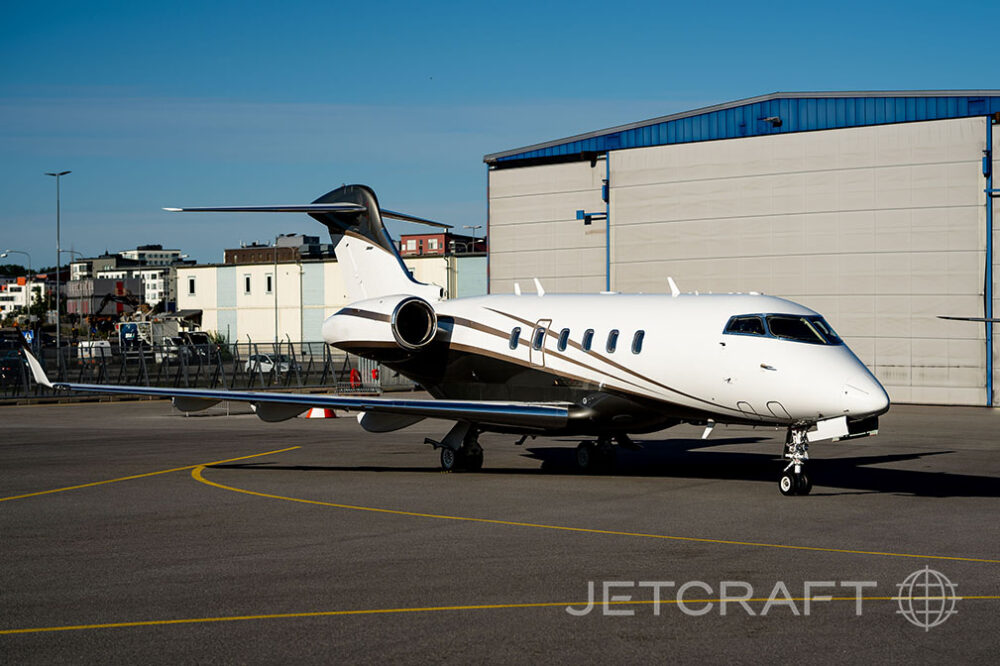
(28, 279)
(474, 228)
(78, 298)
(58, 175)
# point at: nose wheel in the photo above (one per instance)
(793, 479)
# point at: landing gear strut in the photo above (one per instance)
(460, 450)
(595, 456)
(794, 480)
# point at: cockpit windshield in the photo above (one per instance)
(812, 329)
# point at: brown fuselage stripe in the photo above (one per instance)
(468, 323)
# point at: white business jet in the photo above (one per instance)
(600, 367)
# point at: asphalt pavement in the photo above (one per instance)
(131, 532)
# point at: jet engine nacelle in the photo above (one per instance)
(414, 323)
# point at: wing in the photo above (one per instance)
(274, 407)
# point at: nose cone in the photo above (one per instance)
(864, 396)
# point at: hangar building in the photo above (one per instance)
(876, 209)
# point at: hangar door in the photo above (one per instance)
(534, 232)
(879, 228)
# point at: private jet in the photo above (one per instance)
(601, 368)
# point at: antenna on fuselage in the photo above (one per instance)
(674, 291)
(538, 287)
(517, 289)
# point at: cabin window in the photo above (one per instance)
(637, 341)
(539, 338)
(588, 339)
(612, 341)
(745, 325)
(515, 335)
(563, 339)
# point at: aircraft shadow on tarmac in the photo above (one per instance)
(695, 459)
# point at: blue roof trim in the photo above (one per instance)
(798, 112)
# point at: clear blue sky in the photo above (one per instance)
(197, 103)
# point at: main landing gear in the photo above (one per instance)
(599, 456)
(460, 450)
(794, 480)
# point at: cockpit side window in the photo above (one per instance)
(745, 325)
(800, 329)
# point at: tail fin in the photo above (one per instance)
(368, 258)
(369, 262)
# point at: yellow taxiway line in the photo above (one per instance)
(439, 609)
(197, 475)
(141, 476)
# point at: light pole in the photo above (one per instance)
(58, 176)
(27, 302)
(78, 299)
(6, 252)
(474, 227)
(274, 288)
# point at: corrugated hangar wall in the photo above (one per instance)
(879, 228)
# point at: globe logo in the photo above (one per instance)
(926, 598)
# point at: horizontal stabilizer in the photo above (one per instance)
(336, 207)
(412, 218)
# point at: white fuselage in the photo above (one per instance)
(685, 361)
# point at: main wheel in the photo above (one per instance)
(449, 459)
(473, 461)
(804, 484)
(787, 484)
(585, 456)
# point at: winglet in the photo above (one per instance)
(36, 368)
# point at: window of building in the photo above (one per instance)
(190, 286)
(515, 335)
(539, 338)
(432, 244)
(269, 283)
(563, 339)
(246, 284)
(612, 341)
(637, 341)
(411, 245)
(588, 339)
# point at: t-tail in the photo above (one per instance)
(369, 261)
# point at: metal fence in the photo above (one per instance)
(236, 366)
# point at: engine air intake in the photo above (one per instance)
(414, 323)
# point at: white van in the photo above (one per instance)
(92, 351)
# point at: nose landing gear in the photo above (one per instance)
(794, 480)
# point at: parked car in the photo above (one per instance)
(265, 363)
(12, 368)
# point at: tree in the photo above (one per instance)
(13, 270)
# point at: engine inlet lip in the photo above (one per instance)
(427, 337)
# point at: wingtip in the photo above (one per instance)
(36, 368)
(173, 210)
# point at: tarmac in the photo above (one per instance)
(130, 532)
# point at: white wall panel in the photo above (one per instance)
(879, 228)
(534, 232)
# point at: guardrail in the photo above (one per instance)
(235, 366)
